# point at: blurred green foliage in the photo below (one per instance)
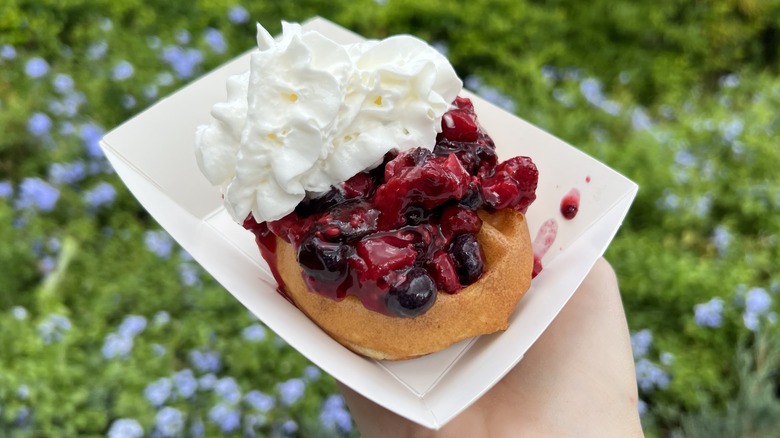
(680, 96)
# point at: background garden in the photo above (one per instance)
(108, 328)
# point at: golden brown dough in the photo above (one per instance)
(481, 308)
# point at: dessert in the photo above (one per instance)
(374, 194)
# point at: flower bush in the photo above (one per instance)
(108, 328)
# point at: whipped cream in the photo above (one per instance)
(311, 113)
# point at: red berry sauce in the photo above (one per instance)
(542, 243)
(395, 235)
(570, 204)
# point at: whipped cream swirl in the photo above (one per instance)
(311, 113)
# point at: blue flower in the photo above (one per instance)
(215, 40)
(709, 314)
(185, 382)
(226, 417)
(23, 392)
(228, 389)
(6, 189)
(117, 345)
(125, 428)
(161, 318)
(46, 264)
(237, 14)
(132, 325)
(36, 67)
(101, 194)
(164, 79)
(90, 136)
(289, 427)
(169, 421)
(63, 83)
(757, 301)
(54, 327)
(640, 121)
(489, 93)
(334, 416)
(650, 376)
(641, 406)
(128, 101)
(729, 81)
(19, 313)
(37, 194)
(721, 238)
(153, 42)
(259, 401)
(311, 372)
(69, 105)
(123, 70)
(189, 275)
(158, 392)
(7, 51)
(291, 391)
(197, 429)
(159, 242)
(67, 173)
(732, 129)
(184, 62)
(641, 342)
(183, 36)
(150, 91)
(97, 50)
(591, 91)
(39, 124)
(158, 349)
(205, 361)
(207, 381)
(254, 333)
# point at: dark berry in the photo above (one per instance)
(413, 296)
(325, 262)
(468, 258)
(473, 197)
(310, 206)
(348, 222)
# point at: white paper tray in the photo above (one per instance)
(153, 153)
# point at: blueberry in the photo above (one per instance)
(310, 206)
(325, 262)
(473, 197)
(468, 258)
(415, 295)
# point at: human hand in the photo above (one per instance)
(578, 380)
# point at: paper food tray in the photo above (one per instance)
(153, 153)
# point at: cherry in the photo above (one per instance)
(413, 296)
(442, 269)
(467, 257)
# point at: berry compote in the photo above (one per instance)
(396, 235)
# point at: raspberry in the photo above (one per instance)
(513, 185)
